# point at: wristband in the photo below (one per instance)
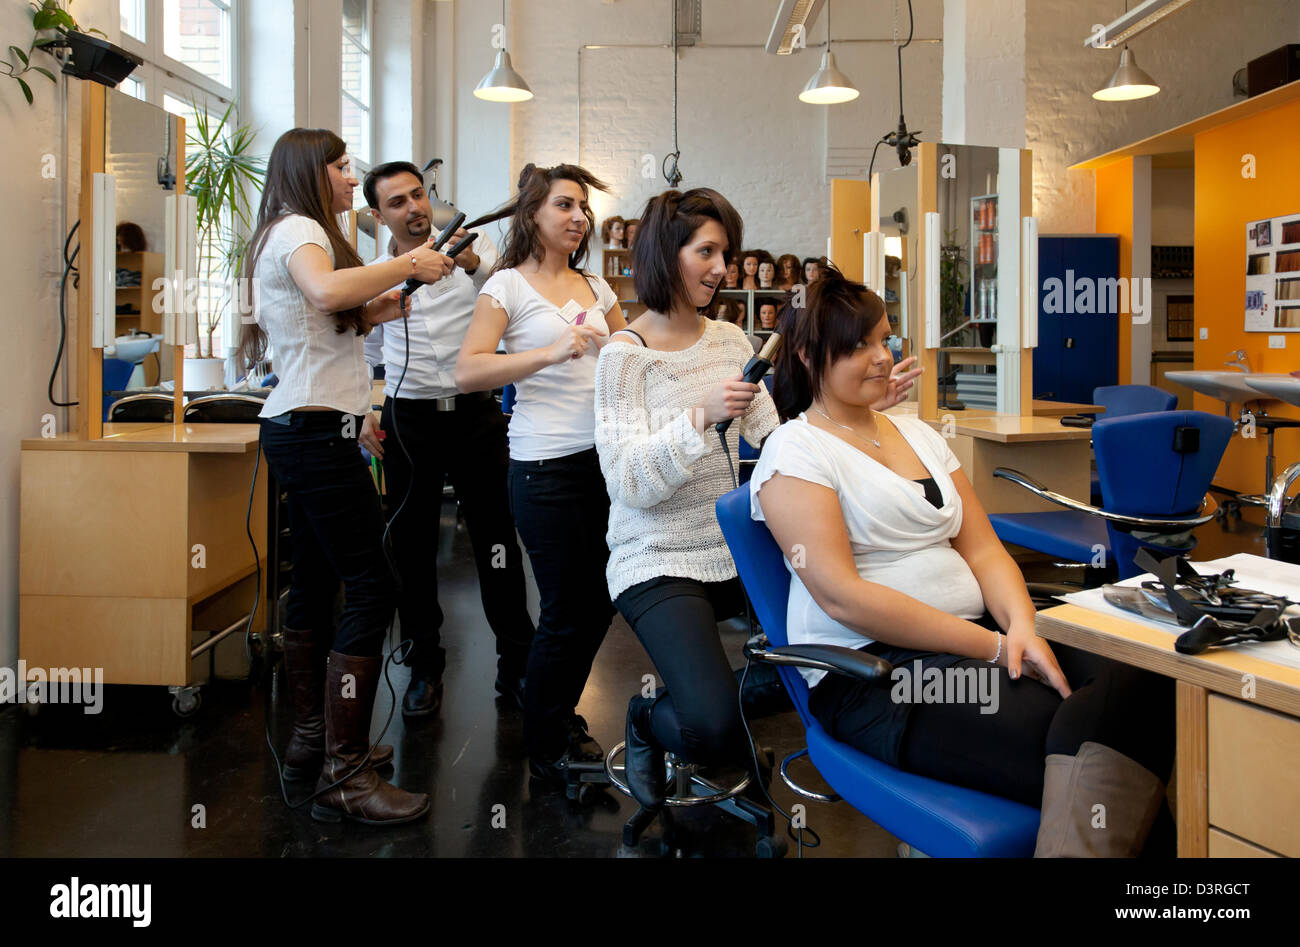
(994, 659)
(413, 264)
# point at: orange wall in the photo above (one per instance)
(1115, 215)
(1225, 203)
(850, 219)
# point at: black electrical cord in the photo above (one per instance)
(69, 269)
(797, 835)
(673, 177)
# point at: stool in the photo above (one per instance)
(691, 788)
(1269, 425)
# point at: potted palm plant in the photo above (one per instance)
(225, 179)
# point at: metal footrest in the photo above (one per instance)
(692, 789)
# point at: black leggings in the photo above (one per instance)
(1122, 707)
(698, 719)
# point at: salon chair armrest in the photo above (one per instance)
(1146, 524)
(833, 659)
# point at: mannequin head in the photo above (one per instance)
(767, 312)
(788, 271)
(811, 270)
(766, 275)
(629, 231)
(732, 279)
(612, 232)
(749, 264)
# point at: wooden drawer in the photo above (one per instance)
(1254, 774)
(1223, 845)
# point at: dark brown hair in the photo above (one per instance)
(796, 268)
(297, 182)
(839, 313)
(522, 242)
(130, 238)
(668, 223)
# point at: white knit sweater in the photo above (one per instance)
(663, 477)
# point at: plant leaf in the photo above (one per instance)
(46, 73)
(20, 54)
(45, 20)
(27, 91)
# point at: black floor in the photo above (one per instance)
(126, 783)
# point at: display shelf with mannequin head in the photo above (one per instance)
(766, 275)
(732, 279)
(768, 308)
(812, 269)
(629, 230)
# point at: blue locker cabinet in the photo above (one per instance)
(1078, 326)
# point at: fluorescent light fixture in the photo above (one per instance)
(1129, 82)
(1141, 18)
(792, 18)
(933, 319)
(1029, 283)
(103, 255)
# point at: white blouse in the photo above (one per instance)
(317, 365)
(898, 538)
(664, 478)
(554, 413)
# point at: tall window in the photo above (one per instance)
(197, 33)
(356, 79)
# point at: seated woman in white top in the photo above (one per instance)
(890, 551)
(315, 303)
(553, 318)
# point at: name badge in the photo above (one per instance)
(571, 312)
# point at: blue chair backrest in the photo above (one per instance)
(117, 375)
(508, 399)
(762, 571)
(1143, 474)
(1121, 400)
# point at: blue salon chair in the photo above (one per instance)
(1154, 469)
(939, 819)
(1122, 400)
(117, 375)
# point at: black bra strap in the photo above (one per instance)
(635, 333)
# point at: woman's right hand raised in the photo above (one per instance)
(573, 343)
(430, 265)
(725, 400)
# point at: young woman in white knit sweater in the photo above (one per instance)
(659, 397)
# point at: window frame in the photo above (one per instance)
(151, 50)
(367, 50)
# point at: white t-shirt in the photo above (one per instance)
(898, 539)
(555, 408)
(317, 364)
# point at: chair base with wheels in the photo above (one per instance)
(690, 786)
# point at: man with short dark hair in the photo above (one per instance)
(434, 433)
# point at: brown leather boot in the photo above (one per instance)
(363, 796)
(304, 665)
(1098, 803)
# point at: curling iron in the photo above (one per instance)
(758, 366)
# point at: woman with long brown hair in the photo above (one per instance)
(315, 302)
(553, 318)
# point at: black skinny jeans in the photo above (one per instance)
(467, 446)
(337, 530)
(676, 620)
(561, 509)
(1122, 707)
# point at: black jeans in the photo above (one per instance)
(1122, 707)
(676, 620)
(337, 530)
(561, 509)
(467, 446)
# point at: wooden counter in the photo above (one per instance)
(1057, 456)
(134, 550)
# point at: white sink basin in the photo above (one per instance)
(134, 348)
(1282, 387)
(1229, 387)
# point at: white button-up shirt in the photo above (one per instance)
(439, 317)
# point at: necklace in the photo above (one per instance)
(871, 440)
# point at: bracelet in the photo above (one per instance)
(413, 264)
(994, 659)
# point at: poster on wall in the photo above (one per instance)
(1273, 275)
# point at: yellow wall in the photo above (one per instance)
(850, 219)
(1115, 215)
(1225, 203)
